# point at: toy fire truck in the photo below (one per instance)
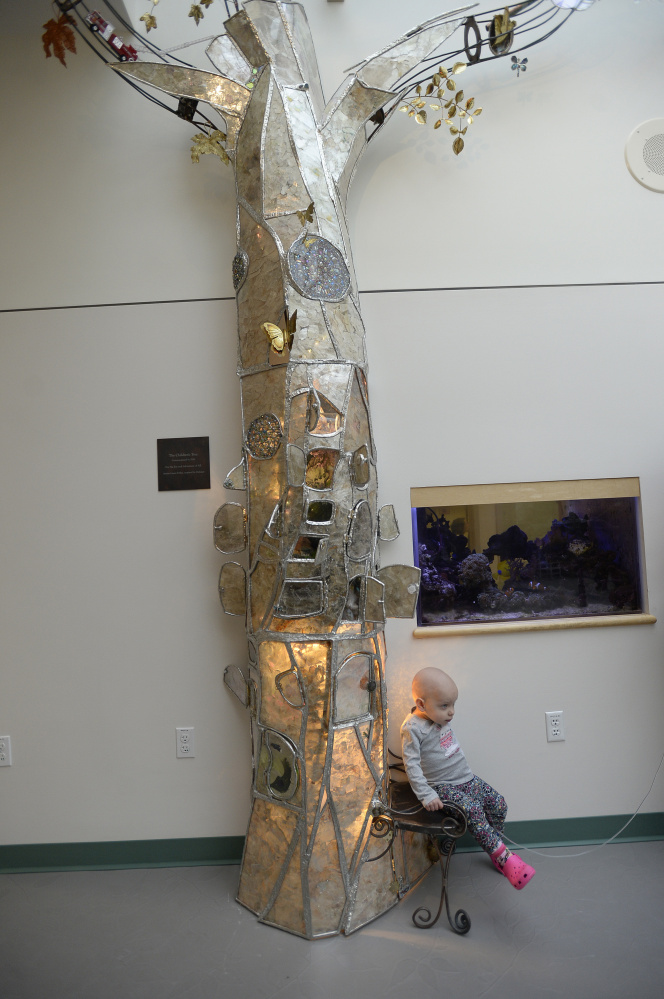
(96, 23)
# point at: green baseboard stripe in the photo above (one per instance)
(211, 851)
(201, 852)
(577, 832)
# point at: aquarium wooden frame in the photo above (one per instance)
(528, 492)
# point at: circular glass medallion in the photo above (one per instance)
(240, 267)
(264, 436)
(318, 269)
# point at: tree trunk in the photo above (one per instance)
(314, 597)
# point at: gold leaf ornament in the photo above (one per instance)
(421, 118)
(458, 67)
(150, 21)
(457, 145)
(212, 143)
(196, 13)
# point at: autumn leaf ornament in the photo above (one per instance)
(59, 36)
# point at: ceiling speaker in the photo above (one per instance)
(644, 153)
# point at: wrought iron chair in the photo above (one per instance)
(442, 829)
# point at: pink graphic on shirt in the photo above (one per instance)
(449, 743)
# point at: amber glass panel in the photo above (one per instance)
(321, 463)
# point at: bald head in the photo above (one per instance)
(435, 694)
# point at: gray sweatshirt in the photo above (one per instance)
(431, 756)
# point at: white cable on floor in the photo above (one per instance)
(566, 856)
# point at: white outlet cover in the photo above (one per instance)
(5, 751)
(185, 746)
(644, 154)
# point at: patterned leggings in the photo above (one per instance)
(485, 809)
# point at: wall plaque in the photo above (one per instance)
(183, 463)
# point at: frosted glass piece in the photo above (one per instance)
(402, 583)
(274, 525)
(260, 300)
(357, 105)
(361, 466)
(303, 126)
(331, 380)
(326, 886)
(225, 56)
(296, 465)
(351, 789)
(248, 145)
(233, 589)
(352, 683)
(388, 528)
(318, 269)
(263, 392)
(284, 189)
(324, 418)
(305, 54)
(236, 681)
(230, 532)
(271, 830)
(387, 67)
(292, 506)
(412, 858)
(357, 433)
(300, 598)
(263, 582)
(374, 608)
(360, 532)
(312, 339)
(353, 607)
(226, 95)
(288, 909)
(313, 662)
(276, 711)
(236, 478)
(297, 425)
(346, 330)
(240, 28)
(321, 463)
(275, 41)
(375, 894)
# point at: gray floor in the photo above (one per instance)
(589, 927)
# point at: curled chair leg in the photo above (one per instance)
(422, 917)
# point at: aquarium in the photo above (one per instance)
(523, 551)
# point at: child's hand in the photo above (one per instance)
(435, 805)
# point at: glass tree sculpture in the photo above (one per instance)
(314, 597)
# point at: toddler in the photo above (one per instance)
(438, 771)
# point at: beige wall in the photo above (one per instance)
(111, 630)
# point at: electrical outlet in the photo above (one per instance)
(555, 726)
(185, 745)
(5, 751)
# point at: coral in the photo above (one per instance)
(475, 574)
